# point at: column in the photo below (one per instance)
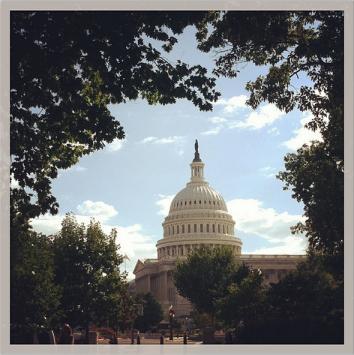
(148, 283)
(164, 289)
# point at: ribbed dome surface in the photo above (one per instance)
(197, 195)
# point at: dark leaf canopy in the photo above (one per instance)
(292, 45)
(67, 67)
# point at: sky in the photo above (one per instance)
(129, 184)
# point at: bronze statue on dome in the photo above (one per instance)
(196, 153)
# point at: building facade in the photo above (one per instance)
(198, 216)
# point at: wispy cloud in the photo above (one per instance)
(116, 145)
(212, 132)
(97, 209)
(217, 119)
(163, 140)
(273, 226)
(164, 203)
(267, 171)
(233, 103)
(264, 116)
(303, 135)
(274, 131)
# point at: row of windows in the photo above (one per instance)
(195, 202)
(181, 250)
(198, 228)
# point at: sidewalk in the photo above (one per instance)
(143, 341)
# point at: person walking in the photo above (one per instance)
(66, 336)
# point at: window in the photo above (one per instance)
(223, 229)
(177, 229)
(182, 228)
(207, 226)
(189, 228)
(173, 229)
(201, 228)
(195, 228)
(213, 228)
(218, 228)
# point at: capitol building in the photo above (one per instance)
(198, 216)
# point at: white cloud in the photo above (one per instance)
(164, 204)
(264, 116)
(212, 132)
(233, 103)
(116, 145)
(274, 131)
(217, 119)
(164, 140)
(149, 139)
(292, 245)
(100, 210)
(273, 226)
(79, 168)
(267, 171)
(303, 135)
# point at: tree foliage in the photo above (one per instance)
(292, 44)
(244, 298)
(152, 312)
(305, 307)
(66, 68)
(213, 280)
(87, 270)
(34, 296)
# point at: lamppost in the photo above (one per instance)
(171, 314)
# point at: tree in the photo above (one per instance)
(244, 298)
(152, 313)
(87, 270)
(306, 306)
(305, 43)
(207, 276)
(34, 297)
(66, 68)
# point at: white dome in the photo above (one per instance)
(198, 216)
(196, 196)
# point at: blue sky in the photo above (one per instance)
(129, 184)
